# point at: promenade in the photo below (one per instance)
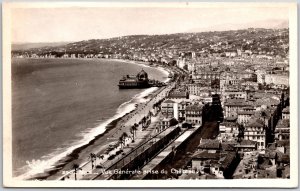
(85, 170)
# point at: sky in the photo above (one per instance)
(76, 24)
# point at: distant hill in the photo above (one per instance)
(254, 39)
(24, 46)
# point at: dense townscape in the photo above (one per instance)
(261, 43)
(224, 114)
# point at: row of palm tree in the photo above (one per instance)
(133, 130)
(122, 139)
(93, 157)
(76, 168)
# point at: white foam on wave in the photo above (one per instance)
(37, 166)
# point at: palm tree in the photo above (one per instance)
(124, 136)
(132, 131)
(76, 168)
(121, 141)
(264, 115)
(100, 163)
(92, 158)
(143, 121)
(241, 133)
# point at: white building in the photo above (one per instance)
(261, 76)
(277, 79)
(255, 131)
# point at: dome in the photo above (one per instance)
(142, 75)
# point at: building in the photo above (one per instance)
(167, 108)
(277, 79)
(193, 114)
(232, 106)
(210, 145)
(179, 94)
(261, 76)
(234, 95)
(195, 89)
(246, 146)
(286, 113)
(249, 85)
(219, 164)
(229, 129)
(206, 75)
(255, 131)
(244, 116)
(167, 122)
(181, 63)
(230, 54)
(229, 79)
(282, 130)
(181, 109)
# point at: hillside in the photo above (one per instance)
(256, 40)
(25, 46)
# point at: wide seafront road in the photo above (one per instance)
(141, 111)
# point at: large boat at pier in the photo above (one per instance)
(139, 81)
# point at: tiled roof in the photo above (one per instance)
(284, 159)
(229, 124)
(283, 143)
(194, 107)
(248, 142)
(205, 155)
(267, 101)
(286, 110)
(245, 112)
(236, 102)
(255, 123)
(283, 123)
(209, 144)
(169, 101)
(227, 147)
(225, 163)
(233, 118)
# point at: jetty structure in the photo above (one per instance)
(139, 81)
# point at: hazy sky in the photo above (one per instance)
(75, 24)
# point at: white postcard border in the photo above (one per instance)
(8, 181)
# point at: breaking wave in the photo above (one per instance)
(50, 161)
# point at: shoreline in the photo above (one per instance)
(75, 154)
(146, 64)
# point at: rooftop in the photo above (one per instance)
(283, 123)
(168, 101)
(255, 123)
(245, 112)
(205, 155)
(209, 144)
(194, 107)
(247, 143)
(236, 102)
(286, 110)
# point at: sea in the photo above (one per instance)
(61, 104)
